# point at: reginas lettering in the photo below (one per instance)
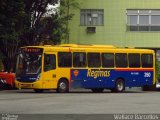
(95, 73)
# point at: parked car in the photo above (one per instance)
(7, 80)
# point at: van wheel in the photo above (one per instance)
(119, 87)
(97, 90)
(38, 90)
(63, 86)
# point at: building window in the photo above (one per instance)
(91, 17)
(143, 20)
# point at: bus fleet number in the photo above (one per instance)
(147, 74)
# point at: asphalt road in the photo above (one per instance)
(79, 102)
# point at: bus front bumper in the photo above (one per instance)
(24, 85)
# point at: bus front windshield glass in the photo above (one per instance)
(29, 63)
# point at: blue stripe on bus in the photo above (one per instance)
(106, 78)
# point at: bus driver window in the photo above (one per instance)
(49, 62)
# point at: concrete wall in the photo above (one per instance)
(114, 30)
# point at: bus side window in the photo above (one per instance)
(108, 60)
(49, 62)
(121, 60)
(65, 59)
(94, 59)
(147, 60)
(134, 60)
(79, 59)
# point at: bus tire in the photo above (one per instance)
(63, 86)
(119, 86)
(38, 90)
(97, 90)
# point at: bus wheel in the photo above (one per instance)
(119, 87)
(63, 86)
(38, 90)
(97, 90)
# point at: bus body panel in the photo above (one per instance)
(85, 77)
(106, 78)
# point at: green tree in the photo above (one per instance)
(19, 21)
(66, 6)
(22, 23)
(158, 70)
(34, 11)
(11, 17)
(51, 30)
(54, 28)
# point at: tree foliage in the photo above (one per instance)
(11, 15)
(34, 11)
(158, 70)
(51, 30)
(67, 15)
(54, 29)
(19, 21)
(23, 22)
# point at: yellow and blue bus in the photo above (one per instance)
(95, 67)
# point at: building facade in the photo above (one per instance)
(124, 23)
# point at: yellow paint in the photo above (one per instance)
(49, 79)
(98, 73)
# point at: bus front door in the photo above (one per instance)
(49, 74)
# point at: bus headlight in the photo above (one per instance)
(38, 77)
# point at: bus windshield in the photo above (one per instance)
(29, 63)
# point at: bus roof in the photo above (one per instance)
(85, 47)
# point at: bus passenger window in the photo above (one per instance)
(94, 60)
(147, 60)
(49, 62)
(65, 59)
(134, 60)
(108, 60)
(79, 59)
(121, 60)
